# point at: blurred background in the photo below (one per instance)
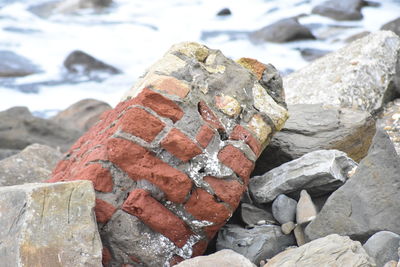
(55, 53)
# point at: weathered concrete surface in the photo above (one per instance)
(361, 75)
(49, 225)
(170, 163)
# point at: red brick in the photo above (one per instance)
(179, 145)
(103, 210)
(101, 177)
(199, 248)
(237, 161)
(253, 65)
(204, 136)
(208, 116)
(229, 191)
(140, 163)
(139, 122)
(160, 104)
(97, 153)
(106, 256)
(170, 85)
(140, 204)
(240, 133)
(62, 166)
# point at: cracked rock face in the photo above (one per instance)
(49, 225)
(171, 161)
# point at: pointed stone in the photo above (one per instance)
(306, 210)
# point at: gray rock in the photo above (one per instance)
(311, 54)
(368, 202)
(284, 209)
(319, 172)
(360, 75)
(315, 127)
(356, 36)
(224, 12)
(82, 114)
(305, 210)
(33, 164)
(282, 31)
(332, 250)
(389, 120)
(79, 63)
(252, 215)
(383, 247)
(222, 258)
(298, 232)
(49, 225)
(13, 65)
(5, 153)
(393, 26)
(256, 244)
(18, 129)
(340, 9)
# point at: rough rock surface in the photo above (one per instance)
(5, 152)
(256, 244)
(222, 258)
(393, 26)
(33, 164)
(316, 127)
(383, 247)
(366, 203)
(284, 209)
(360, 75)
(49, 225)
(284, 30)
(19, 128)
(318, 172)
(171, 161)
(81, 115)
(251, 215)
(389, 120)
(13, 65)
(340, 9)
(332, 250)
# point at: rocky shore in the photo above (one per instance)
(207, 161)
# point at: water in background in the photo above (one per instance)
(132, 34)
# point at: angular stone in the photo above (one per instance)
(49, 225)
(33, 164)
(305, 210)
(340, 9)
(288, 227)
(318, 172)
(332, 250)
(256, 244)
(368, 202)
(383, 247)
(316, 127)
(284, 209)
(298, 232)
(252, 215)
(13, 65)
(222, 258)
(393, 26)
(360, 75)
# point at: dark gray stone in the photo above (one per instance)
(315, 127)
(18, 129)
(282, 31)
(366, 203)
(383, 247)
(340, 9)
(259, 243)
(284, 209)
(311, 54)
(5, 153)
(224, 12)
(319, 172)
(252, 215)
(13, 65)
(393, 26)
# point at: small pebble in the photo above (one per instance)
(288, 227)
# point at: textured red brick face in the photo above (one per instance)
(199, 248)
(204, 136)
(140, 123)
(160, 104)
(229, 191)
(140, 163)
(179, 145)
(171, 86)
(103, 210)
(208, 116)
(106, 256)
(156, 216)
(237, 161)
(240, 133)
(101, 177)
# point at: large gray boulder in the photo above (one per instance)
(360, 75)
(33, 164)
(340, 9)
(222, 258)
(393, 26)
(13, 65)
(319, 172)
(19, 128)
(367, 203)
(282, 31)
(49, 225)
(312, 127)
(383, 247)
(332, 250)
(256, 244)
